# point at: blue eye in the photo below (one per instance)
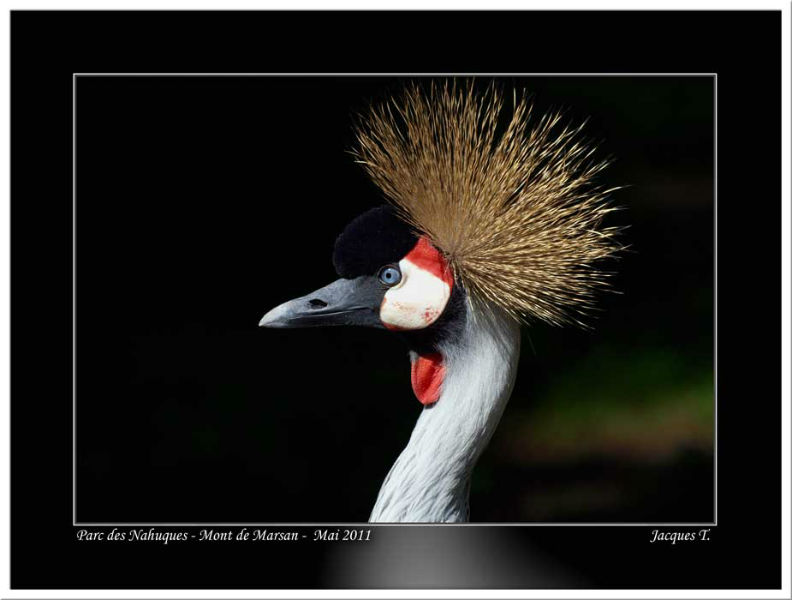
(390, 275)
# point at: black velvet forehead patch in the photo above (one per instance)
(375, 238)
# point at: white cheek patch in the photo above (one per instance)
(417, 302)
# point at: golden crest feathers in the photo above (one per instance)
(508, 199)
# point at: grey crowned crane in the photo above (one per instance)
(488, 226)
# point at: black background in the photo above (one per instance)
(269, 220)
(191, 227)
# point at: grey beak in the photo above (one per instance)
(343, 302)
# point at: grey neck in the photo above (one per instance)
(430, 480)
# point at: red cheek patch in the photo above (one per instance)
(427, 376)
(429, 258)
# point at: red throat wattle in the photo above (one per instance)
(427, 376)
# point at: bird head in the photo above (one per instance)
(390, 277)
(488, 211)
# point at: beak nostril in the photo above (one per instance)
(316, 303)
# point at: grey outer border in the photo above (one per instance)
(364, 524)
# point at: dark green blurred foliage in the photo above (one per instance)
(617, 423)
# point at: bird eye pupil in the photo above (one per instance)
(390, 275)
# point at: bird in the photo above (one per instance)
(493, 220)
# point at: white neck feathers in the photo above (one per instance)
(430, 480)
